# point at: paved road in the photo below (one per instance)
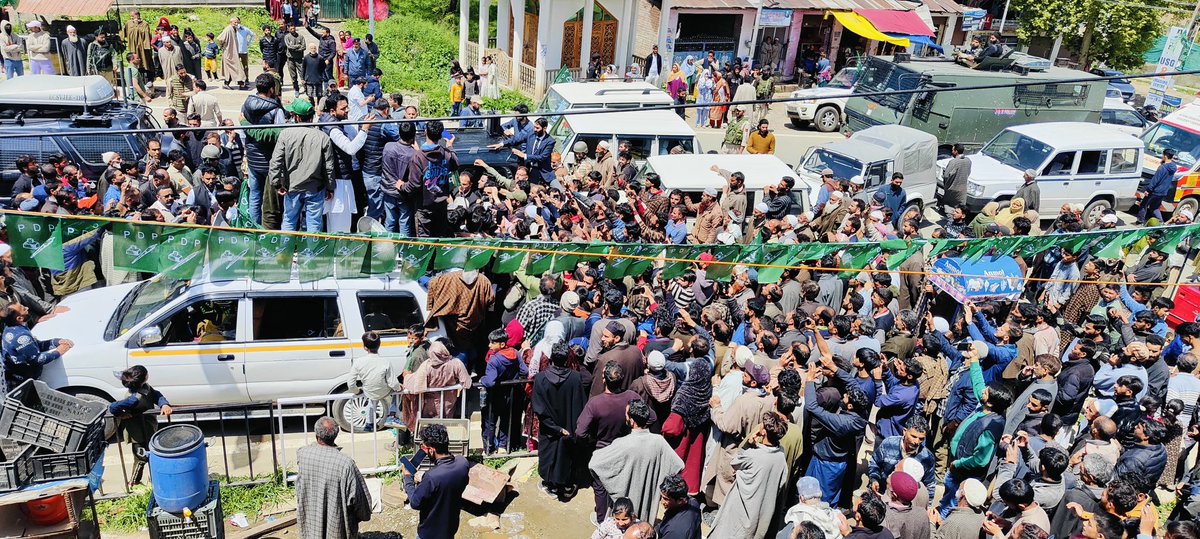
(790, 143)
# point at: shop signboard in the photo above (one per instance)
(775, 18)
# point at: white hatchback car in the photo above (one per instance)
(239, 341)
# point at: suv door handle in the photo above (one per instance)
(225, 357)
(337, 353)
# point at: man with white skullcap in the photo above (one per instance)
(38, 45)
(893, 450)
(965, 520)
(656, 388)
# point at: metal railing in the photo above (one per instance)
(527, 81)
(472, 54)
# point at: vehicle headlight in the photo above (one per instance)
(808, 101)
(974, 189)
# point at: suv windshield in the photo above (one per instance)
(552, 103)
(843, 167)
(1017, 151)
(1185, 143)
(145, 299)
(562, 134)
(845, 78)
(881, 75)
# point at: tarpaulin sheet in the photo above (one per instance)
(857, 24)
(922, 40)
(891, 21)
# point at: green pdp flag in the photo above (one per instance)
(135, 246)
(724, 253)
(686, 255)
(381, 257)
(74, 228)
(230, 255)
(466, 256)
(539, 263)
(619, 266)
(181, 252)
(314, 257)
(414, 260)
(273, 258)
(36, 241)
(350, 258)
(508, 261)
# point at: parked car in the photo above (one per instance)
(649, 132)
(875, 153)
(53, 109)
(238, 341)
(1075, 162)
(1123, 117)
(1121, 85)
(692, 174)
(823, 106)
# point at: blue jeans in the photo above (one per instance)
(256, 195)
(950, 497)
(311, 204)
(829, 475)
(13, 68)
(399, 214)
(374, 196)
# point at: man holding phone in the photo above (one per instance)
(439, 496)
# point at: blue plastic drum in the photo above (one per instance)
(179, 468)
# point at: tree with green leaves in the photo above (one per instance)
(1115, 32)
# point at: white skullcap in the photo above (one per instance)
(656, 361)
(761, 207)
(857, 180)
(741, 356)
(792, 221)
(913, 468)
(70, 28)
(877, 215)
(5, 249)
(1110, 218)
(940, 325)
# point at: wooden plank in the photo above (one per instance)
(262, 529)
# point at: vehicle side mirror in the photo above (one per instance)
(150, 336)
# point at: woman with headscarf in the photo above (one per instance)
(677, 88)
(439, 370)
(1016, 208)
(558, 399)
(986, 217)
(704, 96)
(720, 94)
(689, 73)
(688, 425)
(539, 360)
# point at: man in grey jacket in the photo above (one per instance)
(954, 179)
(302, 170)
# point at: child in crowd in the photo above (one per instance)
(130, 413)
(503, 365)
(372, 376)
(621, 519)
(211, 51)
(456, 95)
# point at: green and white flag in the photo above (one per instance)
(36, 241)
(314, 257)
(181, 252)
(230, 255)
(414, 260)
(74, 228)
(381, 258)
(349, 258)
(539, 263)
(506, 262)
(273, 258)
(135, 246)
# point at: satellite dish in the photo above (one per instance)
(379, 250)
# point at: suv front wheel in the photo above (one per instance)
(827, 119)
(351, 414)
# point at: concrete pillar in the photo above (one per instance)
(464, 14)
(539, 54)
(518, 43)
(1054, 50)
(666, 42)
(503, 12)
(948, 33)
(788, 67)
(624, 28)
(585, 46)
(484, 18)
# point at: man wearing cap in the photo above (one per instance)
(301, 171)
(100, 57)
(755, 231)
(1029, 191)
(170, 54)
(904, 520)
(38, 45)
(657, 388)
(583, 164)
(966, 519)
(710, 219)
(605, 165)
(736, 132)
(472, 112)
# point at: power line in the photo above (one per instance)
(582, 112)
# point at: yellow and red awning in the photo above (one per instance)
(860, 25)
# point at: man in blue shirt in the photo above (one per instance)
(676, 226)
(516, 131)
(893, 449)
(25, 355)
(439, 496)
(1159, 186)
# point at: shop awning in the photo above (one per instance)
(857, 24)
(896, 22)
(923, 40)
(65, 8)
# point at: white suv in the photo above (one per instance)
(824, 106)
(230, 342)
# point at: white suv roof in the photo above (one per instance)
(597, 94)
(56, 91)
(1077, 135)
(637, 122)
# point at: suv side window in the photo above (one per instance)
(281, 318)
(203, 321)
(39, 147)
(639, 147)
(666, 144)
(1093, 161)
(1124, 160)
(389, 314)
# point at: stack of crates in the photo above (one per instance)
(205, 522)
(47, 435)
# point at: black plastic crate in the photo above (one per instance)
(15, 468)
(33, 413)
(50, 466)
(207, 521)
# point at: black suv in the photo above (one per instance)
(53, 126)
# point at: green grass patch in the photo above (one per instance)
(128, 514)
